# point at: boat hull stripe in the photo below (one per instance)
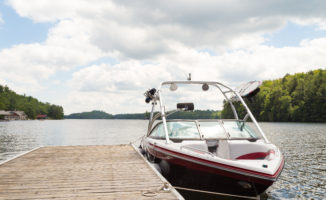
(218, 165)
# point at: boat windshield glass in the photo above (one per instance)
(234, 130)
(177, 130)
(183, 130)
(212, 130)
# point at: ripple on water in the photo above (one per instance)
(302, 144)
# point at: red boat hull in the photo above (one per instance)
(217, 173)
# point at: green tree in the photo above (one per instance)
(300, 97)
(9, 100)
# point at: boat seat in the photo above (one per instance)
(200, 145)
(212, 145)
(253, 156)
(241, 149)
(223, 150)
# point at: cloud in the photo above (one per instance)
(114, 87)
(153, 41)
(110, 102)
(126, 76)
(143, 30)
(1, 19)
(32, 63)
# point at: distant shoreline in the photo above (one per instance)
(95, 114)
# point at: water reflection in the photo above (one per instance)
(19, 136)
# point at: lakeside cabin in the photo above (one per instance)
(41, 116)
(12, 115)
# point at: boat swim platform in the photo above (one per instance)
(83, 172)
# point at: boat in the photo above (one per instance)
(215, 155)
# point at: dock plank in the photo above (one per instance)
(81, 172)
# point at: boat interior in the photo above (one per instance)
(231, 139)
(227, 139)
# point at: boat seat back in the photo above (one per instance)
(223, 150)
(212, 145)
(199, 145)
(243, 149)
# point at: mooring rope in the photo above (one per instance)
(167, 188)
(216, 193)
(152, 193)
(137, 139)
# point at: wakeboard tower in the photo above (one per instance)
(211, 154)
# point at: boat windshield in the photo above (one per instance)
(183, 130)
(235, 131)
(212, 130)
(177, 130)
(225, 129)
(208, 129)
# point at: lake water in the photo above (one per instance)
(302, 144)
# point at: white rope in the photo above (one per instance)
(149, 193)
(137, 139)
(162, 189)
(216, 193)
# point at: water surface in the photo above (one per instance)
(302, 144)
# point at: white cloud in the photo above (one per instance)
(32, 63)
(119, 88)
(142, 29)
(48, 11)
(66, 48)
(1, 19)
(126, 76)
(110, 102)
(154, 41)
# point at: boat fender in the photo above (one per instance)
(157, 167)
(142, 151)
(165, 167)
(149, 157)
(244, 184)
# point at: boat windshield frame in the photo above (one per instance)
(201, 135)
(221, 87)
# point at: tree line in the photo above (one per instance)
(95, 114)
(197, 114)
(11, 101)
(294, 98)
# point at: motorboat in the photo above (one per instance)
(210, 154)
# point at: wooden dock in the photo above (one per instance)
(82, 172)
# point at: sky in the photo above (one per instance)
(103, 54)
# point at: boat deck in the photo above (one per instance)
(82, 172)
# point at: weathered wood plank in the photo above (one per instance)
(81, 172)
